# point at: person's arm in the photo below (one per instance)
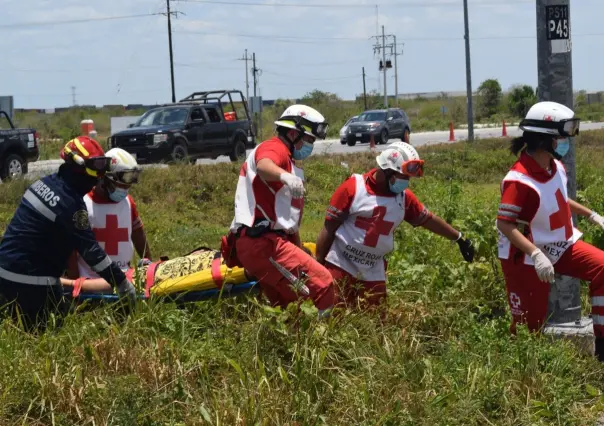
(510, 230)
(440, 227)
(90, 285)
(269, 171)
(325, 239)
(139, 239)
(579, 209)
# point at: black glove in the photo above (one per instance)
(466, 248)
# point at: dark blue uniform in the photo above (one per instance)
(51, 222)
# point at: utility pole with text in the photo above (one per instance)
(555, 73)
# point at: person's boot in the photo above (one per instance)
(599, 352)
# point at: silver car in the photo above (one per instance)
(344, 129)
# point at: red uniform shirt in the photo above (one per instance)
(274, 149)
(520, 202)
(416, 213)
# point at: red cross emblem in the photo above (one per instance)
(375, 226)
(111, 235)
(548, 118)
(562, 217)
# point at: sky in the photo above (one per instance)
(298, 47)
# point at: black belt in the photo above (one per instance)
(258, 229)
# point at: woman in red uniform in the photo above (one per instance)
(537, 237)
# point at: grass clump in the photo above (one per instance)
(441, 356)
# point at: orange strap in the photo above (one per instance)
(77, 286)
(216, 274)
(150, 277)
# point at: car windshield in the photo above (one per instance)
(161, 117)
(373, 116)
(352, 120)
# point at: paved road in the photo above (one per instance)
(333, 146)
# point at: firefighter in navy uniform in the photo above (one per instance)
(51, 222)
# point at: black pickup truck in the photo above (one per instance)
(18, 147)
(195, 127)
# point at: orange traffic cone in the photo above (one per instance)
(451, 132)
(371, 142)
(504, 132)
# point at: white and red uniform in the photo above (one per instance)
(369, 216)
(538, 200)
(257, 199)
(112, 224)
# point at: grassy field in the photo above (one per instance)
(442, 356)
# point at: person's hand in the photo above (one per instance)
(543, 266)
(596, 219)
(126, 290)
(294, 183)
(466, 248)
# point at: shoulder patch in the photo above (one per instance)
(80, 219)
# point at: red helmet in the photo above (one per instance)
(86, 153)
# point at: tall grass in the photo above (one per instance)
(441, 355)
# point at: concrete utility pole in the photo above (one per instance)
(468, 73)
(73, 96)
(554, 62)
(395, 72)
(364, 90)
(247, 84)
(171, 54)
(384, 59)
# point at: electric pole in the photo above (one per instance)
(468, 73)
(555, 73)
(384, 59)
(395, 72)
(247, 84)
(255, 72)
(171, 54)
(364, 90)
(73, 96)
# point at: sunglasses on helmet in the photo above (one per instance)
(127, 177)
(413, 168)
(568, 127)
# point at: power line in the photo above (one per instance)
(422, 4)
(75, 21)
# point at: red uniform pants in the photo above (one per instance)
(254, 254)
(528, 296)
(351, 290)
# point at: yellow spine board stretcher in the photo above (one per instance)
(171, 278)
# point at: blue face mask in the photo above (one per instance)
(399, 185)
(118, 194)
(563, 147)
(305, 151)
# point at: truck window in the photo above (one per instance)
(4, 123)
(196, 114)
(213, 115)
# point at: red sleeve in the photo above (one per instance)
(137, 222)
(519, 202)
(275, 151)
(416, 213)
(341, 200)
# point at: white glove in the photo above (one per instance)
(126, 289)
(543, 266)
(294, 183)
(596, 219)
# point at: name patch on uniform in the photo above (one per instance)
(45, 193)
(554, 251)
(80, 219)
(361, 257)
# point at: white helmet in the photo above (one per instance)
(550, 118)
(305, 119)
(124, 169)
(401, 157)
